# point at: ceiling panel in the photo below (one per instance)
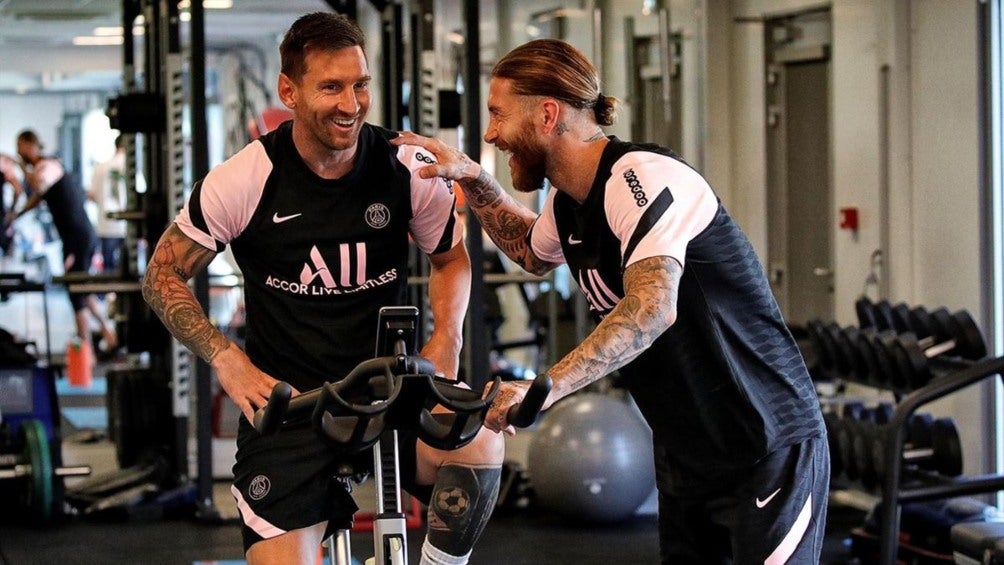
(36, 36)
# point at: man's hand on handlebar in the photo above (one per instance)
(510, 394)
(244, 383)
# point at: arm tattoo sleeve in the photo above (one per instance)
(646, 311)
(505, 220)
(166, 290)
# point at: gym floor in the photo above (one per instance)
(514, 536)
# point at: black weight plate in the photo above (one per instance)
(947, 448)
(969, 342)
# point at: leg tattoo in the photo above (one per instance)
(462, 501)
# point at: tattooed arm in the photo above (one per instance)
(646, 311)
(503, 219)
(165, 288)
(506, 221)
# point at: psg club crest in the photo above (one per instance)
(377, 216)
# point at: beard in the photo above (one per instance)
(528, 164)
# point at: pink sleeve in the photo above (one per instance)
(226, 198)
(655, 205)
(544, 240)
(435, 225)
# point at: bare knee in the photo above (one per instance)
(293, 547)
(487, 449)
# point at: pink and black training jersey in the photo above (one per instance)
(320, 257)
(726, 384)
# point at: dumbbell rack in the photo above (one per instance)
(894, 495)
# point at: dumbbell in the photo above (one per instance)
(823, 338)
(876, 315)
(932, 444)
(32, 471)
(955, 333)
(862, 439)
(872, 349)
(843, 340)
(854, 418)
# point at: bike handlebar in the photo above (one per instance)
(525, 413)
(394, 391)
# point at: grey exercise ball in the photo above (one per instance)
(591, 459)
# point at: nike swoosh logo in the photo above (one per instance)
(573, 241)
(766, 501)
(276, 218)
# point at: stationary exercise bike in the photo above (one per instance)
(393, 391)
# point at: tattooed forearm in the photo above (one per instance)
(482, 191)
(166, 290)
(647, 309)
(504, 220)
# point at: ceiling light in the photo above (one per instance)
(112, 31)
(98, 40)
(208, 4)
(108, 30)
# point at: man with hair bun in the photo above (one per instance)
(684, 311)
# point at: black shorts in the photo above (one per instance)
(82, 256)
(287, 481)
(774, 513)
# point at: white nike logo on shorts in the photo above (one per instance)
(572, 240)
(766, 501)
(276, 218)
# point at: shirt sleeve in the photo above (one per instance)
(98, 176)
(655, 205)
(48, 171)
(434, 224)
(544, 240)
(221, 205)
(7, 166)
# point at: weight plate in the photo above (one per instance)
(38, 491)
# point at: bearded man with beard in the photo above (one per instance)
(318, 214)
(684, 311)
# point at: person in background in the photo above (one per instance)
(8, 168)
(108, 191)
(684, 311)
(318, 214)
(48, 182)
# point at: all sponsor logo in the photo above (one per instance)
(348, 274)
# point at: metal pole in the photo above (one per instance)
(205, 509)
(477, 372)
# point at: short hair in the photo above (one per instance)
(29, 136)
(320, 30)
(555, 69)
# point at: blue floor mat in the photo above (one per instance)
(99, 385)
(92, 417)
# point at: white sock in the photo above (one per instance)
(431, 555)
